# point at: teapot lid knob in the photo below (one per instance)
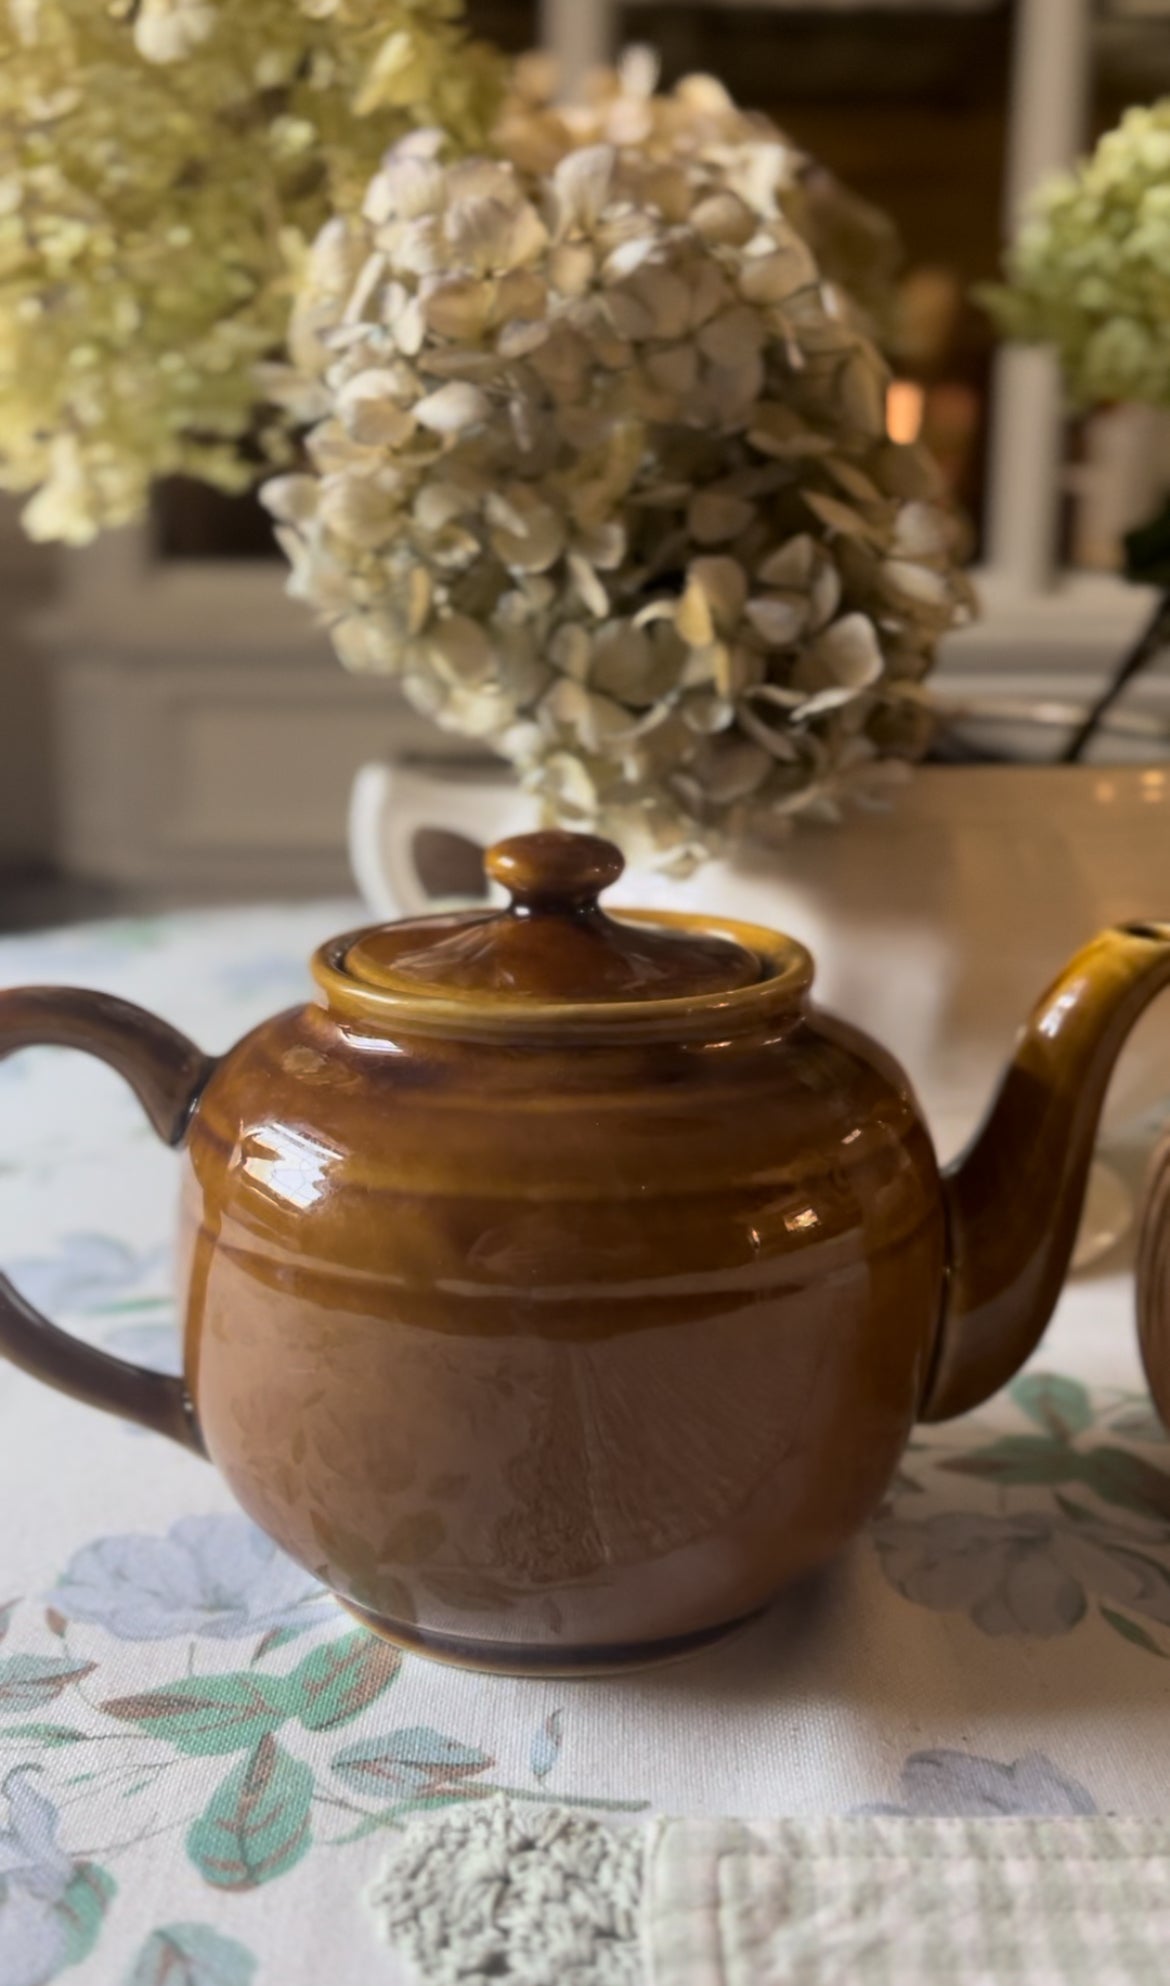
(554, 871)
(553, 946)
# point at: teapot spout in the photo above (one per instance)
(1014, 1198)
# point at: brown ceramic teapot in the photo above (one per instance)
(559, 1286)
(1153, 1281)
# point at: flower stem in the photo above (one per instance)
(1150, 642)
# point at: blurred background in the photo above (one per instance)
(174, 730)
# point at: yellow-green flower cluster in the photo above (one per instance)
(163, 164)
(1090, 272)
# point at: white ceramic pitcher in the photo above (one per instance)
(931, 921)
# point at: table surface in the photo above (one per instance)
(996, 1643)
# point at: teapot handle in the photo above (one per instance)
(167, 1073)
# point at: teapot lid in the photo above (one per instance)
(553, 944)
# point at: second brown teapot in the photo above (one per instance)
(558, 1286)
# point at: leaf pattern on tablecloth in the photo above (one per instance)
(52, 1905)
(339, 1680)
(29, 1681)
(91, 1274)
(191, 1955)
(251, 1823)
(270, 975)
(943, 1785)
(1057, 1526)
(545, 1748)
(258, 1823)
(416, 1765)
(251, 1809)
(205, 1715)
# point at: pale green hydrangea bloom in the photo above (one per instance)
(163, 164)
(1090, 272)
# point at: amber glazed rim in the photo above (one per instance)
(786, 975)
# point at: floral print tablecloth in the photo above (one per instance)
(199, 1757)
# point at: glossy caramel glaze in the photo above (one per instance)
(555, 1355)
(560, 1296)
(1014, 1199)
(553, 942)
(1153, 1281)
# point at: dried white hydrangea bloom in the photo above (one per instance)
(855, 243)
(600, 473)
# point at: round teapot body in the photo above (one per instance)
(562, 1285)
(550, 1357)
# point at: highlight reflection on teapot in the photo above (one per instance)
(561, 1285)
